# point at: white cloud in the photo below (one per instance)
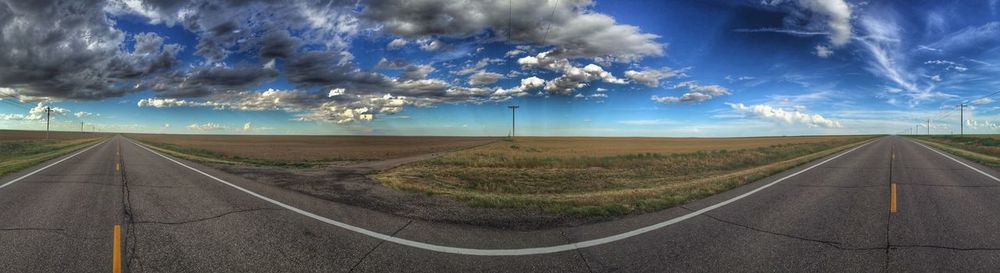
(170, 102)
(835, 15)
(35, 113)
(949, 65)
(696, 93)
(336, 92)
(823, 51)
(210, 126)
(572, 77)
(83, 114)
(767, 112)
(247, 126)
(527, 84)
(982, 101)
(430, 44)
(573, 28)
(483, 78)
(652, 77)
(397, 44)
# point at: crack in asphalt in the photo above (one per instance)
(131, 240)
(579, 252)
(207, 218)
(380, 242)
(833, 244)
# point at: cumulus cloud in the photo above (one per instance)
(572, 77)
(695, 93)
(571, 26)
(83, 114)
(652, 77)
(75, 50)
(36, 113)
(278, 44)
(823, 51)
(795, 117)
(72, 50)
(206, 80)
(396, 44)
(483, 78)
(527, 84)
(210, 126)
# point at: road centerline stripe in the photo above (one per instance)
(892, 198)
(116, 256)
(47, 166)
(504, 252)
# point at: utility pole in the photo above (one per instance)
(513, 108)
(81, 127)
(928, 127)
(961, 119)
(48, 112)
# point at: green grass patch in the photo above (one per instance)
(20, 154)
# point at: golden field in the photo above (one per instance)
(607, 176)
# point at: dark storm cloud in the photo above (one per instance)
(207, 80)
(565, 24)
(326, 69)
(70, 49)
(278, 44)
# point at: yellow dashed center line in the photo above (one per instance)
(892, 198)
(116, 257)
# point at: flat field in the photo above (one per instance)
(606, 176)
(22, 149)
(306, 150)
(526, 183)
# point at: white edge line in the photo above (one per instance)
(956, 160)
(50, 165)
(503, 252)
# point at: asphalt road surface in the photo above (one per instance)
(831, 215)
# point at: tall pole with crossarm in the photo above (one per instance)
(513, 108)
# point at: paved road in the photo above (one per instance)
(832, 215)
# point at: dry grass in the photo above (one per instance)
(607, 176)
(22, 149)
(984, 149)
(306, 150)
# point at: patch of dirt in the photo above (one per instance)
(349, 184)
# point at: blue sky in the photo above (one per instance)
(437, 67)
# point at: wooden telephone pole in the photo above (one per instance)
(48, 112)
(513, 108)
(961, 119)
